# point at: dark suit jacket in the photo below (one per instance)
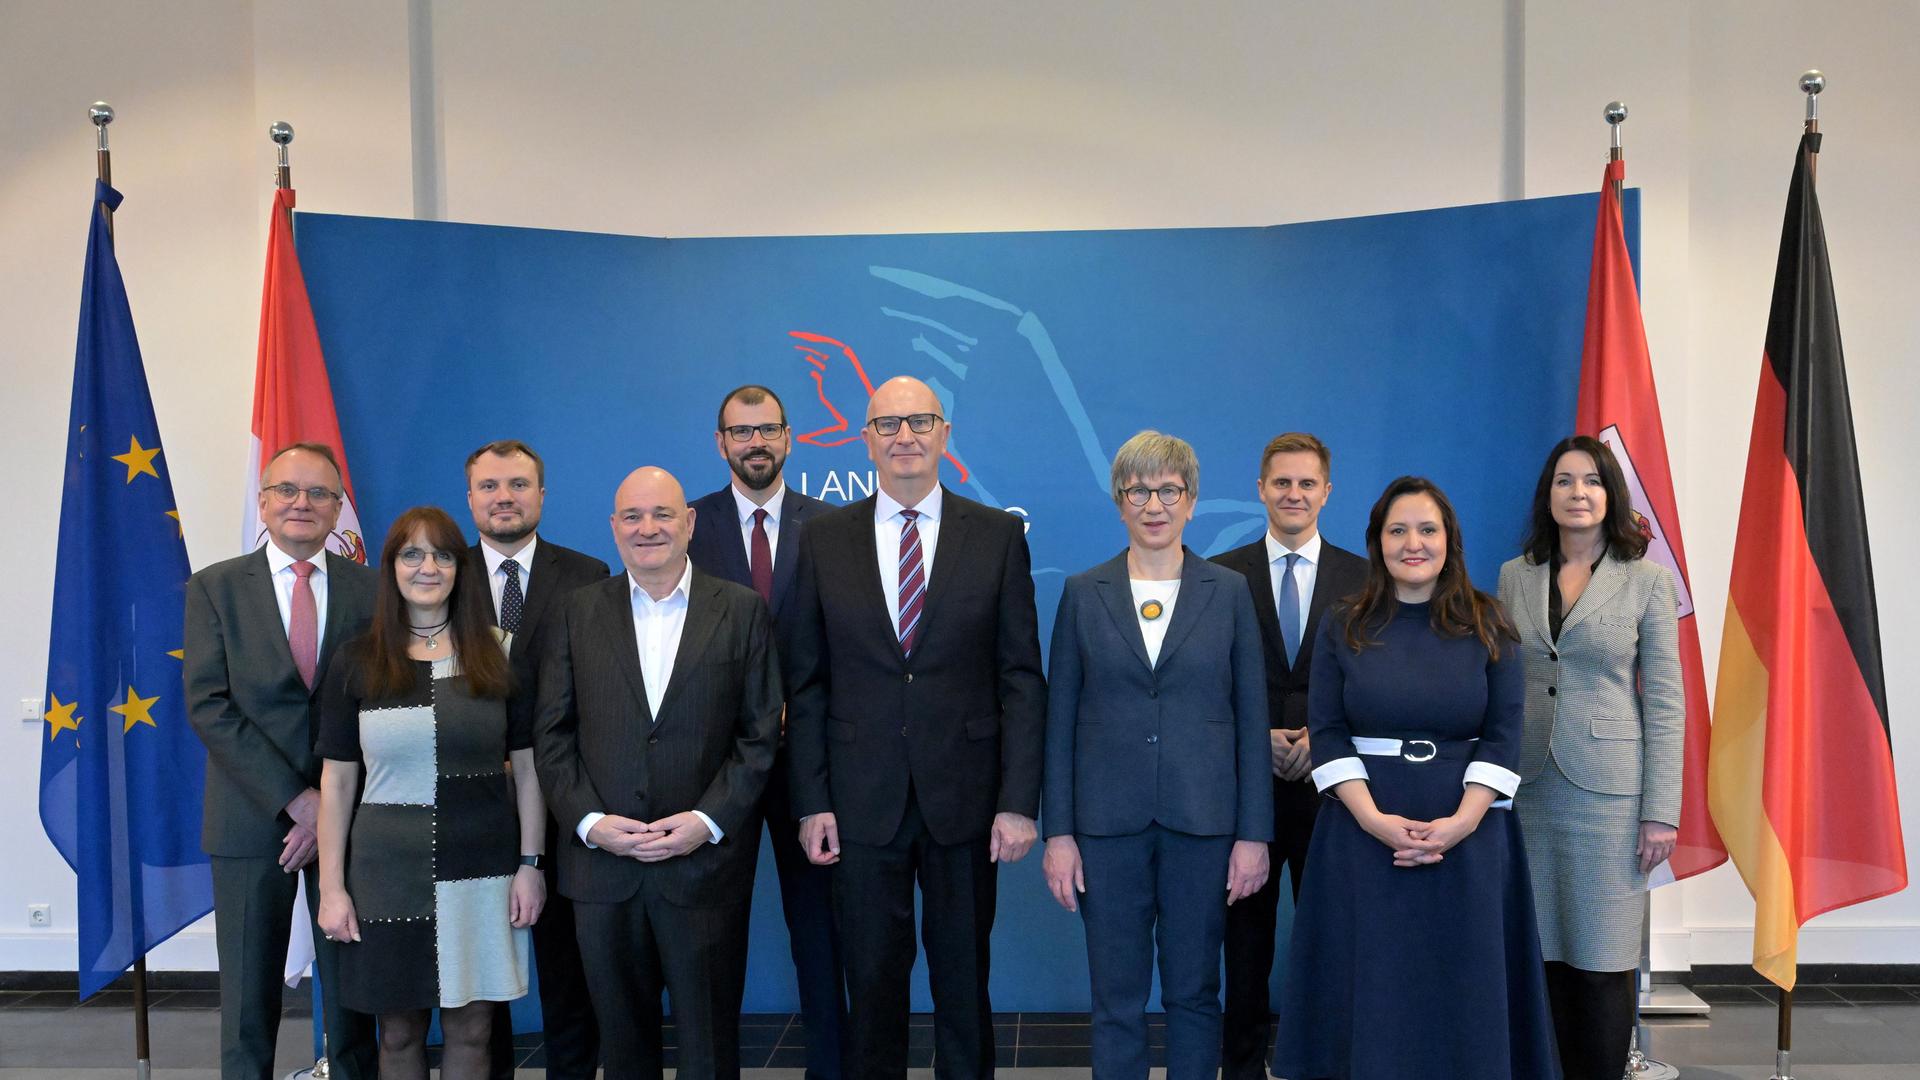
(1339, 574)
(1182, 742)
(557, 571)
(963, 719)
(246, 700)
(600, 749)
(717, 549)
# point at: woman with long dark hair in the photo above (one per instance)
(1600, 762)
(1414, 949)
(440, 878)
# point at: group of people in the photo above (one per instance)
(472, 746)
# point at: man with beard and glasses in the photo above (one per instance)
(527, 577)
(752, 435)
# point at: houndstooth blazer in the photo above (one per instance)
(1607, 698)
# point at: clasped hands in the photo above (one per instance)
(650, 841)
(1419, 843)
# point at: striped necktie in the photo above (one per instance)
(913, 582)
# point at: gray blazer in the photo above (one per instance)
(1607, 698)
(1182, 742)
(246, 700)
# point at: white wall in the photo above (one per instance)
(847, 116)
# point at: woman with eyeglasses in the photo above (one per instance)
(1158, 800)
(433, 890)
(1414, 950)
(1600, 763)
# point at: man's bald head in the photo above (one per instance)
(906, 462)
(652, 524)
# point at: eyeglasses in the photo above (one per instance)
(744, 432)
(920, 423)
(1168, 494)
(414, 556)
(286, 493)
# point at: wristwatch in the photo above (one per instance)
(530, 860)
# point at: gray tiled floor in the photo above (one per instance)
(1840, 1033)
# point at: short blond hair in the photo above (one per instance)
(1151, 453)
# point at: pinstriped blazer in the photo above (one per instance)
(1606, 699)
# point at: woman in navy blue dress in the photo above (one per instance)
(1415, 951)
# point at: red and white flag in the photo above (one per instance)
(292, 399)
(1619, 407)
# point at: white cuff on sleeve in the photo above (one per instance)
(711, 827)
(1338, 771)
(1487, 774)
(586, 824)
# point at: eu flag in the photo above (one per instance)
(121, 770)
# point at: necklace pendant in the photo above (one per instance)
(433, 642)
(1152, 610)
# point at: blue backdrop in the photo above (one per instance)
(1443, 342)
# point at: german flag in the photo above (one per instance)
(1800, 777)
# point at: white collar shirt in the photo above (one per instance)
(1305, 570)
(497, 578)
(745, 507)
(280, 564)
(888, 522)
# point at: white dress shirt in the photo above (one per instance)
(281, 564)
(887, 524)
(1305, 569)
(746, 508)
(657, 625)
(497, 578)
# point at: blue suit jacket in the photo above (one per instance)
(1182, 742)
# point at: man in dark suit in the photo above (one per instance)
(260, 632)
(1294, 576)
(915, 728)
(658, 717)
(527, 577)
(752, 538)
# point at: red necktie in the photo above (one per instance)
(913, 582)
(303, 629)
(760, 559)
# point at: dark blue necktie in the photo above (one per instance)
(1290, 609)
(511, 601)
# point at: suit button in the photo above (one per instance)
(1551, 692)
(639, 794)
(909, 678)
(651, 739)
(1553, 656)
(903, 731)
(1153, 739)
(1153, 692)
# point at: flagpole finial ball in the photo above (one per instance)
(281, 133)
(102, 113)
(1812, 81)
(1616, 111)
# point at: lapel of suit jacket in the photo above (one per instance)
(735, 563)
(1607, 579)
(616, 619)
(1532, 616)
(703, 616)
(1323, 590)
(263, 598)
(866, 572)
(1197, 580)
(1252, 562)
(338, 598)
(956, 528)
(1116, 592)
(793, 512)
(542, 585)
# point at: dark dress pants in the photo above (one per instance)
(1593, 1017)
(633, 949)
(806, 898)
(1247, 1029)
(570, 1033)
(253, 902)
(1155, 887)
(873, 903)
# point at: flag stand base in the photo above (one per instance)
(1642, 1067)
(319, 1071)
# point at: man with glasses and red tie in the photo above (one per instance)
(915, 726)
(260, 632)
(750, 535)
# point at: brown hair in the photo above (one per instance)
(1458, 609)
(1297, 442)
(319, 448)
(508, 448)
(750, 394)
(1621, 527)
(385, 668)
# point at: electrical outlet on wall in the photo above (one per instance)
(30, 709)
(39, 914)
